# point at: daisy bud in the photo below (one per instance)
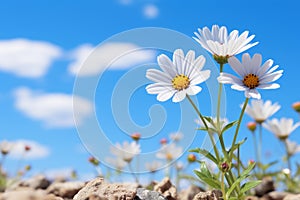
(27, 148)
(136, 136)
(94, 161)
(286, 171)
(20, 173)
(27, 167)
(296, 106)
(251, 126)
(163, 141)
(191, 158)
(251, 161)
(74, 174)
(224, 167)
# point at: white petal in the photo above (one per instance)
(166, 65)
(269, 86)
(254, 94)
(199, 77)
(248, 46)
(229, 79)
(178, 59)
(158, 76)
(246, 61)
(156, 88)
(164, 96)
(199, 62)
(179, 96)
(238, 87)
(266, 66)
(237, 66)
(256, 60)
(212, 45)
(188, 62)
(271, 77)
(193, 90)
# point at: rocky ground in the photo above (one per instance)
(39, 188)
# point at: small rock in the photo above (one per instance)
(28, 195)
(189, 193)
(292, 197)
(209, 195)
(266, 186)
(36, 182)
(143, 194)
(106, 191)
(94, 197)
(251, 198)
(276, 195)
(66, 189)
(166, 188)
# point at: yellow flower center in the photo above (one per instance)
(251, 81)
(169, 156)
(180, 82)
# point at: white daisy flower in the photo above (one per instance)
(117, 163)
(153, 166)
(127, 151)
(179, 166)
(176, 136)
(213, 125)
(169, 152)
(6, 147)
(178, 78)
(260, 110)
(221, 45)
(252, 74)
(292, 147)
(281, 128)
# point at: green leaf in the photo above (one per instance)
(201, 129)
(205, 153)
(237, 145)
(249, 185)
(209, 119)
(267, 166)
(228, 126)
(208, 180)
(242, 177)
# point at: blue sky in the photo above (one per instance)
(66, 27)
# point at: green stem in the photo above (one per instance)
(133, 174)
(256, 151)
(205, 124)
(223, 186)
(219, 98)
(288, 157)
(238, 162)
(260, 147)
(238, 125)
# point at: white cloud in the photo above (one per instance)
(150, 11)
(36, 150)
(27, 58)
(53, 109)
(115, 55)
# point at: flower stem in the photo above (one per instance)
(239, 124)
(288, 157)
(260, 147)
(219, 98)
(223, 186)
(256, 150)
(133, 174)
(205, 124)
